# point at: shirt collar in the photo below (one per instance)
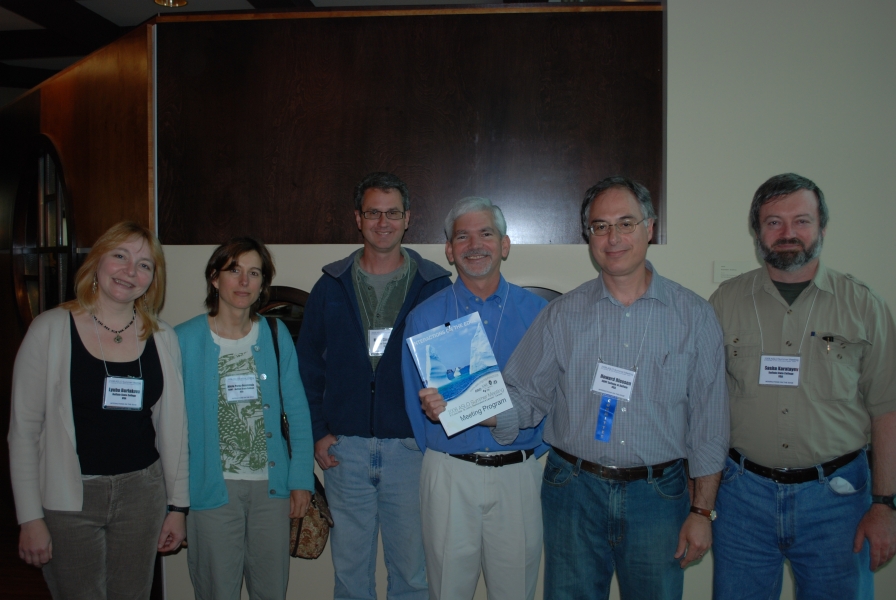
(466, 296)
(822, 280)
(656, 290)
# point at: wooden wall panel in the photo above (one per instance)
(98, 114)
(265, 126)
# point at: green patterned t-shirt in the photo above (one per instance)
(244, 449)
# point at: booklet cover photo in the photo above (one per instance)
(457, 359)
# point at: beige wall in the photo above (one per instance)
(754, 89)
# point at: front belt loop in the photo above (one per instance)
(821, 476)
(650, 474)
(740, 464)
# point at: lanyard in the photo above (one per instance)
(103, 354)
(501, 318)
(756, 310)
(644, 337)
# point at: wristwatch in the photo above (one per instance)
(703, 512)
(885, 500)
(180, 509)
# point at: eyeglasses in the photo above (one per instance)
(624, 226)
(374, 215)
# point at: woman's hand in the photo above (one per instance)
(174, 532)
(299, 501)
(35, 545)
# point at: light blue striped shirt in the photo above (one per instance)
(679, 403)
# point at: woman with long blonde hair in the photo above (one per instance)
(98, 434)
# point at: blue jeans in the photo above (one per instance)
(810, 524)
(594, 525)
(376, 487)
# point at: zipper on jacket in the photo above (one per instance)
(372, 398)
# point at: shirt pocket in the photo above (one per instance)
(672, 376)
(742, 354)
(835, 362)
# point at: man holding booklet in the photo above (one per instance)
(479, 500)
(628, 373)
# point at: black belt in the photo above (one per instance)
(629, 474)
(794, 475)
(496, 460)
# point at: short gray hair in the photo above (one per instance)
(782, 185)
(474, 204)
(638, 190)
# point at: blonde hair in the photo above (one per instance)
(150, 304)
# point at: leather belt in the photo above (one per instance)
(794, 475)
(629, 474)
(496, 460)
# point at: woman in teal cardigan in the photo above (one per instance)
(244, 486)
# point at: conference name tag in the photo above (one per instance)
(779, 370)
(377, 340)
(614, 381)
(240, 388)
(123, 393)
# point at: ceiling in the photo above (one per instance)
(38, 38)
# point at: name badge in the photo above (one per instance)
(614, 381)
(123, 393)
(377, 340)
(240, 388)
(605, 418)
(779, 370)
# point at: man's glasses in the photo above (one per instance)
(374, 215)
(623, 226)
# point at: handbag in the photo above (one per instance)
(307, 535)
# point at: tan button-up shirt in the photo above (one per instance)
(846, 339)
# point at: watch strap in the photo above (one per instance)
(704, 512)
(885, 500)
(180, 509)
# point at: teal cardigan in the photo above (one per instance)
(200, 354)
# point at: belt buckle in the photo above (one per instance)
(487, 460)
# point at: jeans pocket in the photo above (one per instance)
(673, 484)
(849, 480)
(410, 443)
(730, 471)
(557, 472)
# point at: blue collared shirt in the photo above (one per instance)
(506, 315)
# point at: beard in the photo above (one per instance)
(790, 260)
(474, 271)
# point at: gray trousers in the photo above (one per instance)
(247, 537)
(106, 551)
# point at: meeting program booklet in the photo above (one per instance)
(457, 359)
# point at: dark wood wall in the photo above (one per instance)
(266, 125)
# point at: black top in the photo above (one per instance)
(111, 442)
(791, 291)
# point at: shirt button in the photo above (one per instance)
(257, 349)
(790, 312)
(788, 343)
(628, 314)
(273, 492)
(485, 322)
(622, 442)
(271, 464)
(785, 411)
(262, 376)
(786, 445)
(267, 406)
(267, 435)
(623, 409)
(626, 345)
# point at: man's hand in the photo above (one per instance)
(299, 501)
(694, 539)
(879, 526)
(35, 545)
(322, 452)
(174, 532)
(432, 403)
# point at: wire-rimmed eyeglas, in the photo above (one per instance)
(623, 226)
(392, 215)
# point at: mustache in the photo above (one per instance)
(790, 242)
(476, 251)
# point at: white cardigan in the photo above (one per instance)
(44, 465)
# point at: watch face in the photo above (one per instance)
(713, 515)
